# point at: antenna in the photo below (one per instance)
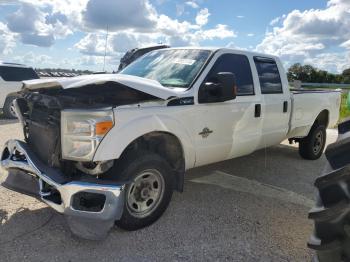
(104, 57)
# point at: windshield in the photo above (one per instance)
(171, 68)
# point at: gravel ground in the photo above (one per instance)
(250, 217)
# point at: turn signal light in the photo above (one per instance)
(103, 127)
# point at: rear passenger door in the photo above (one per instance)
(276, 102)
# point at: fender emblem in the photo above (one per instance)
(205, 132)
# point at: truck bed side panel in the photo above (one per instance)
(307, 105)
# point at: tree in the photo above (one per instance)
(310, 74)
(306, 73)
(346, 76)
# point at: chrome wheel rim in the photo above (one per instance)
(12, 109)
(145, 193)
(318, 143)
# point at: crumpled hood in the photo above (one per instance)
(145, 85)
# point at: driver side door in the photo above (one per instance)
(224, 130)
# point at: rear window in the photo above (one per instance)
(269, 76)
(17, 74)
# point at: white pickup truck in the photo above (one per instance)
(105, 149)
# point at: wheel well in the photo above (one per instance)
(167, 146)
(322, 118)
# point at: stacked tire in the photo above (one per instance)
(331, 215)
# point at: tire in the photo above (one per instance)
(331, 237)
(312, 146)
(148, 194)
(8, 108)
(331, 214)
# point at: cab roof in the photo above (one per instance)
(8, 64)
(215, 49)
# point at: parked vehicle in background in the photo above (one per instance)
(11, 77)
(131, 55)
(113, 147)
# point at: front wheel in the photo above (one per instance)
(312, 146)
(148, 194)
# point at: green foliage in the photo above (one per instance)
(310, 74)
(344, 111)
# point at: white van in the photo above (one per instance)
(11, 77)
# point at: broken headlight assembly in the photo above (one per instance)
(82, 132)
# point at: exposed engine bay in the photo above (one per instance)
(40, 111)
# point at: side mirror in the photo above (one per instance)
(220, 88)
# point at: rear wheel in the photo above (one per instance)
(312, 146)
(149, 192)
(9, 108)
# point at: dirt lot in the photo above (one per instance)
(249, 209)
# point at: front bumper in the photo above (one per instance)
(94, 202)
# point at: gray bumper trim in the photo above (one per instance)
(27, 162)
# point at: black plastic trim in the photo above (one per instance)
(182, 101)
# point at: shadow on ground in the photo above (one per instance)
(279, 166)
(22, 223)
(4, 121)
(204, 223)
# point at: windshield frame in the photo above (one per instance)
(200, 71)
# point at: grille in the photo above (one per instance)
(43, 136)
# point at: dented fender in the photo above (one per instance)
(131, 124)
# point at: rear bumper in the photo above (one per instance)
(88, 201)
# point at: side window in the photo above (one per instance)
(17, 74)
(269, 76)
(239, 65)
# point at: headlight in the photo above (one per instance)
(82, 131)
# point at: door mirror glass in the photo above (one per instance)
(219, 88)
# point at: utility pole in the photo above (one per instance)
(104, 58)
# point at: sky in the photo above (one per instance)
(72, 33)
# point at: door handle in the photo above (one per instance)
(285, 106)
(257, 110)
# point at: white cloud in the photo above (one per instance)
(334, 62)
(234, 46)
(276, 20)
(172, 32)
(123, 41)
(93, 44)
(346, 44)
(131, 24)
(34, 60)
(71, 10)
(192, 4)
(202, 17)
(220, 31)
(250, 34)
(240, 16)
(7, 40)
(37, 27)
(180, 9)
(304, 36)
(119, 15)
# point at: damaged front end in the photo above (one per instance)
(92, 203)
(62, 131)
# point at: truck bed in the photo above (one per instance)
(307, 104)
